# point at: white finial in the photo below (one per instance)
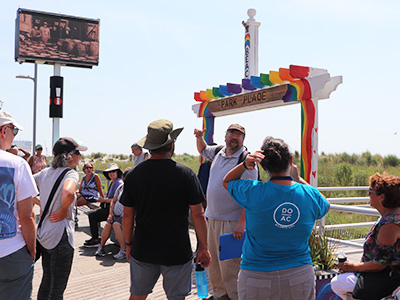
(251, 12)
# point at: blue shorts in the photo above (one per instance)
(177, 279)
(90, 198)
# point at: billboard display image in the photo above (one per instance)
(54, 38)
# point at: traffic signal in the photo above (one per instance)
(56, 96)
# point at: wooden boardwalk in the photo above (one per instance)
(100, 277)
(106, 278)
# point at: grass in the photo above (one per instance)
(334, 170)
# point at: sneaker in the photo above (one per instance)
(92, 243)
(92, 239)
(100, 251)
(120, 255)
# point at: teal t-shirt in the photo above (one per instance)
(279, 221)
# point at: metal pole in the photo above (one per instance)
(34, 110)
(56, 121)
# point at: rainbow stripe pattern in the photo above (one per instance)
(247, 40)
(303, 83)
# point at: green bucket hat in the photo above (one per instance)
(159, 134)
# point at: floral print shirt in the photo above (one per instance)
(388, 255)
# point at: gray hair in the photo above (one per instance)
(135, 146)
(61, 160)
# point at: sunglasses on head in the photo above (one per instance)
(15, 130)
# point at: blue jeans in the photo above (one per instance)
(56, 263)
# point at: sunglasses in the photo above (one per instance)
(75, 152)
(371, 191)
(88, 167)
(15, 130)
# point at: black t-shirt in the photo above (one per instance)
(161, 191)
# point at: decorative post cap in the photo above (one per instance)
(251, 12)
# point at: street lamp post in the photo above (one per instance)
(34, 79)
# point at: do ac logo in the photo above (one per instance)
(286, 215)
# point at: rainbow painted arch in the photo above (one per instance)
(303, 84)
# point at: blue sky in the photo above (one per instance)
(155, 54)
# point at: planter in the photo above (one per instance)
(323, 285)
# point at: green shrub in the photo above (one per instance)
(98, 155)
(343, 174)
(390, 161)
(360, 178)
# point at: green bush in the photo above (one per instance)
(360, 178)
(343, 174)
(390, 161)
(98, 155)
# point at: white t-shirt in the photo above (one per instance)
(50, 234)
(16, 184)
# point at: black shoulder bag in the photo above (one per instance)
(46, 209)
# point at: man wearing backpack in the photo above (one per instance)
(223, 213)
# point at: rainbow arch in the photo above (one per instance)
(303, 84)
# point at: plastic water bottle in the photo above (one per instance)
(201, 282)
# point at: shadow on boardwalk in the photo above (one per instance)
(100, 277)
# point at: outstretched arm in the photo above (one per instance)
(200, 141)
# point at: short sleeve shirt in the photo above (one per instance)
(50, 234)
(279, 221)
(161, 191)
(220, 205)
(16, 185)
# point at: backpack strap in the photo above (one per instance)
(219, 148)
(51, 196)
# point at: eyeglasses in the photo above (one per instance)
(371, 191)
(75, 152)
(14, 130)
(234, 133)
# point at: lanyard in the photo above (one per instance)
(281, 178)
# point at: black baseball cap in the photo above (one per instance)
(66, 145)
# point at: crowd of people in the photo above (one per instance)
(149, 205)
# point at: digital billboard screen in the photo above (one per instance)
(55, 38)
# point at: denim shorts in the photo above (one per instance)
(177, 279)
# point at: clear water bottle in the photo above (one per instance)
(201, 282)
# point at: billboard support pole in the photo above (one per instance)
(56, 121)
(34, 109)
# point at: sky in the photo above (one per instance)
(155, 54)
